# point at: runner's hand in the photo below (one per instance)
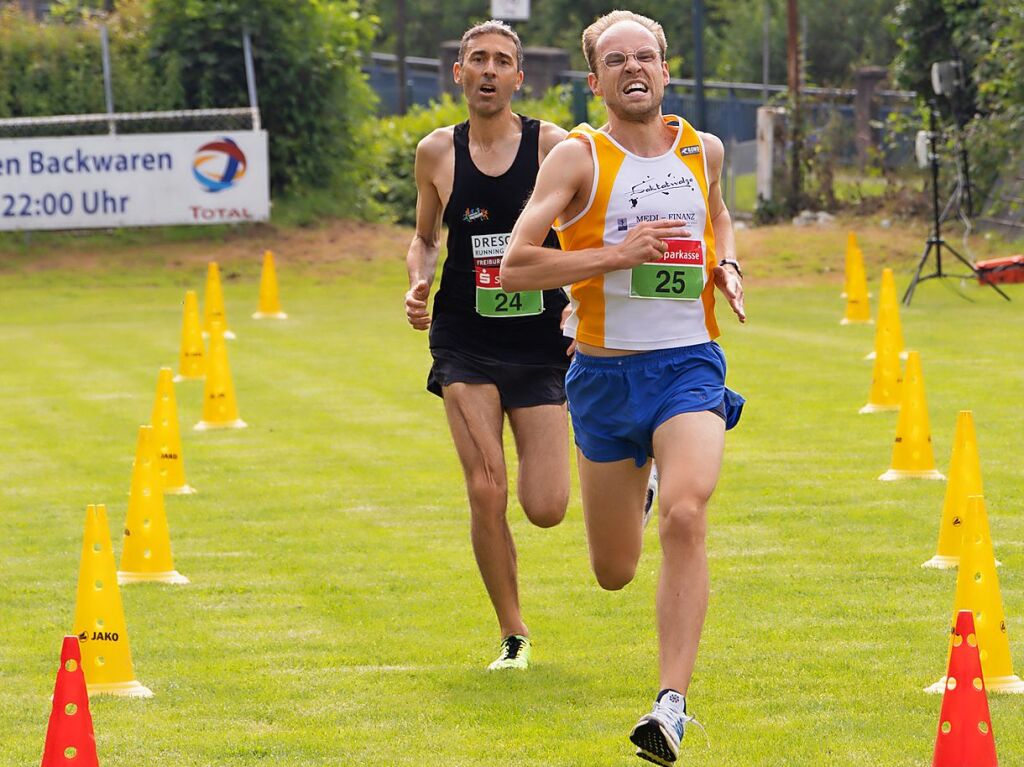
(646, 242)
(731, 286)
(416, 305)
(566, 312)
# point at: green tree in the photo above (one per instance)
(308, 55)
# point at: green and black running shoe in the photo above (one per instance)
(515, 653)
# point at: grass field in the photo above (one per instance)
(335, 615)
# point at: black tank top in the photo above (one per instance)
(471, 313)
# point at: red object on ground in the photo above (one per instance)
(69, 738)
(1009, 269)
(965, 736)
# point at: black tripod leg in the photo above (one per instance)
(974, 269)
(909, 294)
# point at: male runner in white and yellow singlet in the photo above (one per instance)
(494, 352)
(645, 240)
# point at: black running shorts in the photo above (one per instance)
(518, 385)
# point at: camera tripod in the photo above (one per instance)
(935, 241)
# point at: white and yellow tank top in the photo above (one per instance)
(659, 305)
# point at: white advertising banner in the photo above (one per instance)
(149, 179)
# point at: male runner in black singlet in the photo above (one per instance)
(494, 352)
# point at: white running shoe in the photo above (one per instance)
(652, 493)
(515, 653)
(657, 734)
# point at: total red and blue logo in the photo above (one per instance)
(219, 165)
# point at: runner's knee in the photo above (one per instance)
(488, 493)
(545, 511)
(613, 574)
(683, 522)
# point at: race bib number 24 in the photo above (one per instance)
(491, 300)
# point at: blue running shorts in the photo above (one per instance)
(616, 403)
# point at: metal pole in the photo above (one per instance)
(250, 78)
(403, 103)
(766, 59)
(108, 88)
(698, 65)
(793, 56)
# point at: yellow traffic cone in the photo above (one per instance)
(888, 317)
(168, 437)
(214, 315)
(858, 308)
(886, 380)
(912, 455)
(146, 553)
(191, 363)
(270, 298)
(220, 410)
(964, 481)
(851, 254)
(977, 590)
(99, 615)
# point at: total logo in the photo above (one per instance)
(219, 165)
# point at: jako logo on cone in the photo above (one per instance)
(168, 437)
(70, 741)
(214, 315)
(964, 481)
(146, 551)
(99, 615)
(858, 309)
(965, 737)
(889, 326)
(270, 299)
(191, 362)
(220, 410)
(977, 590)
(912, 456)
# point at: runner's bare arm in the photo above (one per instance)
(550, 136)
(421, 260)
(727, 277)
(566, 174)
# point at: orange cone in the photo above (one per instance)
(191, 362)
(70, 741)
(912, 455)
(965, 737)
(220, 409)
(214, 314)
(977, 590)
(99, 615)
(964, 481)
(168, 437)
(851, 254)
(270, 298)
(146, 551)
(889, 328)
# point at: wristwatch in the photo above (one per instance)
(733, 263)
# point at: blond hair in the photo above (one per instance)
(492, 27)
(595, 30)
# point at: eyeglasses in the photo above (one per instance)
(616, 59)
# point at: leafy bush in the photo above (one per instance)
(391, 142)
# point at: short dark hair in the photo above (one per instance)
(492, 27)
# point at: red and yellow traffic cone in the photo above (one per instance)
(270, 298)
(146, 551)
(965, 737)
(977, 590)
(964, 481)
(214, 314)
(912, 455)
(220, 409)
(99, 616)
(191, 361)
(168, 437)
(888, 329)
(70, 741)
(858, 308)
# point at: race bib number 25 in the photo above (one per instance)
(678, 275)
(491, 300)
